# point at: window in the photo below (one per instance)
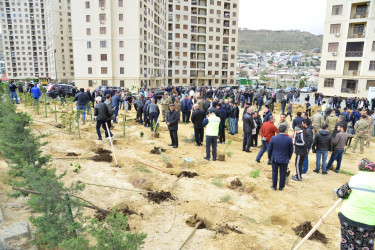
(336, 10)
(353, 65)
(120, 3)
(121, 44)
(102, 17)
(90, 83)
(333, 47)
(88, 32)
(87, 4)
(103, 70)
(101, 3)
(331, 65)
(104, 82)
(335, 28)
(122, 83)
(121, 30)
(373, 46)
(87, 18)
(103, 44)
(372, 65)
(121, 70)
(89, 58)
(328, 82)
(89, 70)
(122, 57)
(120, 17)
(89, 45)
(103, 30)
(370, 83)
(103, 57)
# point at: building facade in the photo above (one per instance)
(36, 39)
(348, 54)
(202, 42)
(119, 43)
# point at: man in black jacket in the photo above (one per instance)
(248, 125)
(322, 144)
(300, 143)
(341, 122)
(197, 119)
(306, 124)
(82, 100)
(172, 122)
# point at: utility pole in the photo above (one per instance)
(54, 52)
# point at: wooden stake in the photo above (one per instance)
(110, 140)
(318, 224)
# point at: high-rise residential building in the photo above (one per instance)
(348, 54)
(202, 42)
(119, 43)
(36, 39)
(59, 40)
(24, 39)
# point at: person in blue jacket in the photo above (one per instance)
(186, 106)
(346, 115)
(35, 91)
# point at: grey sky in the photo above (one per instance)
(304, 15)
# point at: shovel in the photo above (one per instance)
(110, 140)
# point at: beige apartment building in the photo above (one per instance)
(348, 54)
(119, 43)
(202, 42)
(35, 36)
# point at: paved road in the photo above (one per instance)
(312, 100)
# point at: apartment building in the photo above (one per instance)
(348, 54)
(24, 39)
(202, 42)
(59, 40)
(119, 43)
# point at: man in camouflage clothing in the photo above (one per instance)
(361, 131)
(331, 121)
(200, 103)
(177, 106)
(283, 122)
(317, 122)
(165, 101)
(370, 123)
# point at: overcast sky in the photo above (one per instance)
(304, 15)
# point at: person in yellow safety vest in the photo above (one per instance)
(212, 132)
(324, 107)
(357, 213)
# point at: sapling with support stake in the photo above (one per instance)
(54, 102)
(45, 104)
(123, 125)
(79, 115)
(155, 127)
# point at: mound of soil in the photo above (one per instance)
(157, 150)
(103, 155)
(187, 174)
(304, 228)
(169, 165)
(236, 183)
(126, 211)
(58, 126)
(226, 229)
(159, 197)
(72, 154)
(138, 182)
(193, 220)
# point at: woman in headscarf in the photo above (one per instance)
(357, 213)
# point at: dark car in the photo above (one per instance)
(53, 90)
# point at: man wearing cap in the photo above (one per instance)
(361, 130)
(172, 123)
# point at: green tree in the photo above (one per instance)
(301, 83)
(243, 73)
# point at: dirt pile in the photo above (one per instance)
(102, 155)
(235, 183)
(159, 197)
(125, 211)
(58, 126)
(225, 229)
(157, 150)
(72, 154)
(187, 174)
(304, 228)
(192, 221)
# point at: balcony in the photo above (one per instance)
(359, 10)
(202, 3)
(357, 35)
(349, 86)
(354, 49)
(351, 72)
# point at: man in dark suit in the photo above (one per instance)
(280, 152)
(172, 121)
(197, 119)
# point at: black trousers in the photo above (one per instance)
(254, 140)
(246, 142)
(299, 166)
(276, 167)
(289, 114)
(174, 137)
(222, 134)
(198, 132)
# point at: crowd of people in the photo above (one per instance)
(213, 112)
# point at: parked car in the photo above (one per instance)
(291, 89)
(53, 90)
(306, 90)
(314, 89)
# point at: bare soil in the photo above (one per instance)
(265, 217)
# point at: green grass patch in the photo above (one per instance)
(255, 173)
(143, 168)
(226, 198)
(346, 172)
(217, 182)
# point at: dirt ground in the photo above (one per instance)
(262, 218)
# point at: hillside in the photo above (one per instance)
(263, 40)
